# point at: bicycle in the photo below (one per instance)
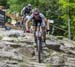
(38, 35)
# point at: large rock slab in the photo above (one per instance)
(12, 33)
(2, 64)
(52, 45)
(5, 54)
(13, 44)
(2, 44)
(10, 39)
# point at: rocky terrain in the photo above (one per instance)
(16, 50)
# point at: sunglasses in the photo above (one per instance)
(36, 14)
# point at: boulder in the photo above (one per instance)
(53, 45)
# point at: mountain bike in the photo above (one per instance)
(38, 35)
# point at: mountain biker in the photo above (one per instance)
(26, 10)
(37, 17)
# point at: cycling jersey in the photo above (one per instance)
(41, 20)
(25, 11)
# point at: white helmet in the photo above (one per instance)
(35, 11)
(29, 5)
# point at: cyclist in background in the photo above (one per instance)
(25, 12)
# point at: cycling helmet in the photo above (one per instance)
(29, 5)
(35, 11)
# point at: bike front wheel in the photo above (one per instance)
(39, 48)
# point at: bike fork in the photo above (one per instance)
(39, 49)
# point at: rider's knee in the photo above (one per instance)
(34, 28)
(44, 30)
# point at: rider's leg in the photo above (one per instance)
(44, 33)
(43, 26)
(35, 29)
(23, 23)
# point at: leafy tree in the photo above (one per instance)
(4, 3)
(68, 10)
(58, 10)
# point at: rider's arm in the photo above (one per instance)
(44, 18)
(46, 21)
(22, 11)
(47, 24)
(28, 22)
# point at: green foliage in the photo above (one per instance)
(49, 65)
(4, 3)
(58, 10)
(68, 9)
(1, 37)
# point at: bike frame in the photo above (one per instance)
(39, 41)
